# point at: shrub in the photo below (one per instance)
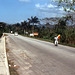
(1, 34)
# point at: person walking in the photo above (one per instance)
(56, 41)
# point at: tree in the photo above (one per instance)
(68, 5)
(2, 24)
(2, 28)
(33, 22)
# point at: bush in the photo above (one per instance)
(1, 34)
(46, 37)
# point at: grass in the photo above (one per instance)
(39, 38)
(48, 40)
(68, 44)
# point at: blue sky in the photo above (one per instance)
(13, 11)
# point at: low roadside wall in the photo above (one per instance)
(6, 60)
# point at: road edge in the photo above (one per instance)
(6, 60)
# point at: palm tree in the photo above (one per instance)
(33, 21)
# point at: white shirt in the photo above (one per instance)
(56, 38)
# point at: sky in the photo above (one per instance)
(13, 11)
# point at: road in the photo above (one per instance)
(35, 57)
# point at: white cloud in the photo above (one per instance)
(45, 5)
(61, 9)
(24, 0)
(50, 10)
(51, 6)
(37, 5)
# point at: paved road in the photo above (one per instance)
(35, 57)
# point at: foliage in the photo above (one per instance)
(2, 28)
(67, 33)
(68, 5)
(1, 34)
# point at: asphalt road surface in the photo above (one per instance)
(35, 57)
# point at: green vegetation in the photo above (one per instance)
(45, 33)
(68, 5)
(2, 28)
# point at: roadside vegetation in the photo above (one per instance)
(67, 33)
(66, 30)
(2, 28)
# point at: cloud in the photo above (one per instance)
(61, 9)
(51, 6)
(49, 10)
(37, 5)
(45, 5)
(24, 0)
